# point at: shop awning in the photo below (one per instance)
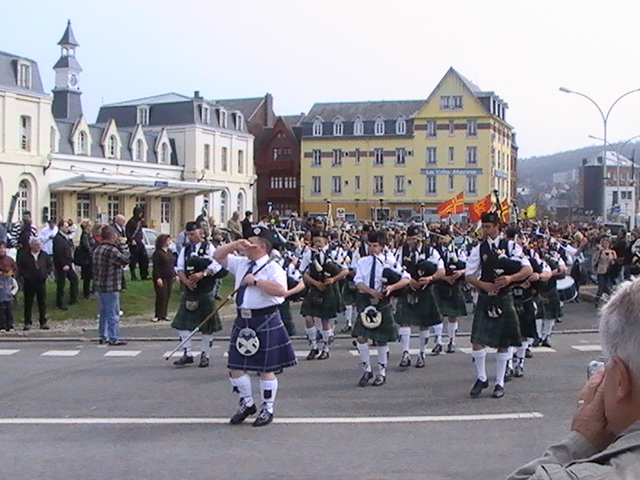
(123, 185)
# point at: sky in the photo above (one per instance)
(304, 51)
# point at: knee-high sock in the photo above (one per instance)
(547, 327)
(383, 356)
(522, 350)
(480, 359)
(269, 389)
(437, 333)
(365, 361)
(539, 327)
(312, 333)
(207, 343)
(186, 348)
(405, 337)
(424, 338)
(501, 367)
(348, 315)
(452, 327)
(242, 386)
(325, 338)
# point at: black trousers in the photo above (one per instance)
(38, 290)
(61, 277)
(140, 258)
(86, 273)
(6, 315)
(163, 294)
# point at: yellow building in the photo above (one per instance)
(391, 157)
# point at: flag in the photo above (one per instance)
(529, 212)
(451, 206)
(478, 208)
(505, 212)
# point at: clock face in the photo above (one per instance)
(73, 80)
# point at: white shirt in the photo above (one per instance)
(434, 257)
(384, 260)
(213, 267)
(474, 265)
(46, 237)
(254, 297)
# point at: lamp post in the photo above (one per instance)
(605, 119)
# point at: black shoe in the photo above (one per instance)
(102, 340)
(324, 354)
(405, 361)
(420, 361)
(536, 342)
(478, 387)
(347, 328)
(380, 380)
(365, 378)
(183, 360)
(508, 374)
(313, 354)
(437, 350)
(218, 297)
(265, 418)
(519, 371)
(44, 326)
(242, 414)
(451, 347)
(204, 360)
(528, 353)
(62, 307)
(27, 328)
(498, 392)
(116, 343)
(545, 343)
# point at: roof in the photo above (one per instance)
(613, 159)
(68, 61)
(389, 109)
(68, 38)
(247, 106)
(470, 85)
(9, 73)
(292, 120)
(153, 100)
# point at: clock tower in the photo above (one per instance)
(66, 93)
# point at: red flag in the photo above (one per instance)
(478, 208)
(504, 211)
(451, 206)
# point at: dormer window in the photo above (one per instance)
(81, 148)
(239, 121)
(205, 114)
(378, 127)
(139, 153)
(317, 127)
(143, 115)
(112, 146)
(222, 118)
(24, 74)
(165, 154)
(338, 127)
(358, 126)
(401, 126)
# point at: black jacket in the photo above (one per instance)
(35, 271)
(246, 228)
(62, 251)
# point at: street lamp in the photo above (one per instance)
(605, 119)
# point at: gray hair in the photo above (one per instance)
(33, 241)
(620, 326)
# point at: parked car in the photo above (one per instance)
(149, 238)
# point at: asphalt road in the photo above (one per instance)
(136, 416)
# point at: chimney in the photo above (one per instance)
(584, 162)
(268, 110)
(196, 95)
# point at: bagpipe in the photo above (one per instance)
(195, 264)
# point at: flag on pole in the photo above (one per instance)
(451, 206)
(505, 211)
(529, 212)
(478, 208)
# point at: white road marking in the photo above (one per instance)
(179, 354)
(123, 353)
(8, 351)
(493, 350)
(587, 348)
(281, 420)
(61, 353)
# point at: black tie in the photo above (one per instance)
(372, 278)
(241, 289)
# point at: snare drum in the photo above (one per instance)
(567, 289)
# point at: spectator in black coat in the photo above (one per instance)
(63, 264)
(163, 275)
(247, 225)
(34, 267)
(82, 257)
(136, 244)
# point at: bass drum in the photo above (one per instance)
(567, 289)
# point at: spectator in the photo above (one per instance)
(3, 231)
(34, 268)
(109, 258)
(22, 232)
(82, 257)
(138, 252)
(603, 259)
(181, 240)
(119, 223)
(8, 288)
(63, 264)
(247, 224)
(163, 275)
(234, 226)
(47, 234)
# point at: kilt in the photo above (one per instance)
(348, 293)
(527, 317)
(550, 303)
(425, 313)
(287, 318)
(501, 332)
(187, 319)
(328, 309)
(450, 299)
(275, 350)
(386, 332)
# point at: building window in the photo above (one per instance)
(472, 155)
(358, 126)
(139, 150)
(472, 127)
(451, 156)
(53, 140)
(141, 202)
(143, 115)
(317, 127)
(205, 114)
(316, 160)
(24, 75)
(25, 133)
(207, 156)
(164, 154)
(400, 185)
(378, 126)
(337, 158)
(431, 156)
(431, 184)
(224, 199)
(357, 156)
(432, 129)
(222, 117)
(165, 210)
(276, 153)
(24, 198)
(378, 156)
(336, 184)
(471, 184)
(316, 185)
(452, 127)
(113, 206)
(53, 207)
(239, 121)
(378, 184)
(223, 159)
(112, 146)
(451, 102)
(450, 182)
(241, 161)
(356, 183)
(401, 126)
(240, 203)
(338, 127)
(401, 156)
(83, 205)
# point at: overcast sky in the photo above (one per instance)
(304, 52)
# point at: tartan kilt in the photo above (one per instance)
(287, 317)
(275, 350)
(550, 303)
(328, 309)
(501, 332)
(425, 313)
(186, 319)
(386, 332)
(349, 294)
(526, 316)
(450, 299)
